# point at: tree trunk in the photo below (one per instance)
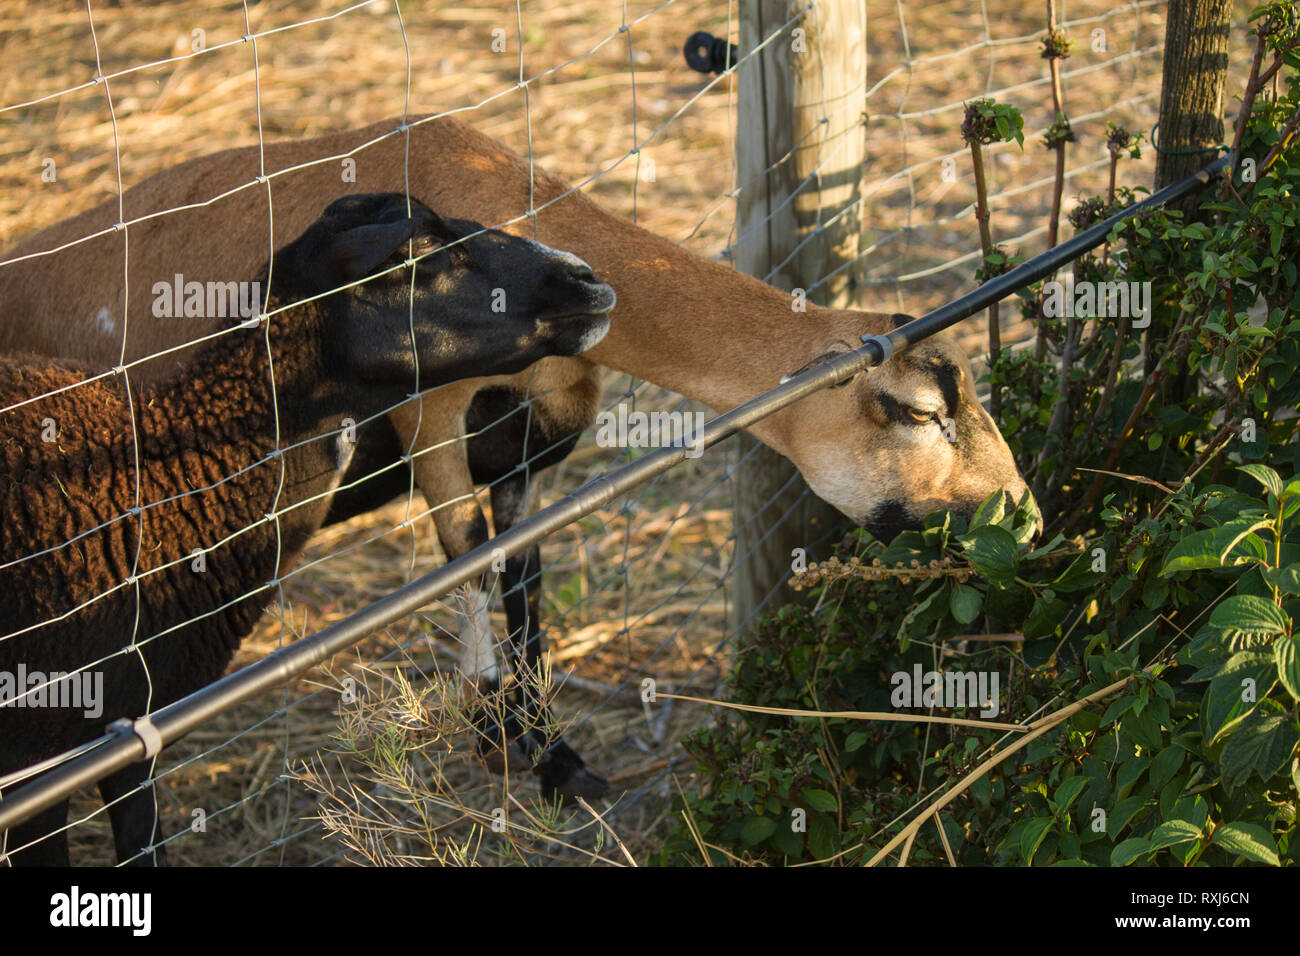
(1191, 113)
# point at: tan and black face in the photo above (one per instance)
(900, 441)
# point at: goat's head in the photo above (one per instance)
(902, 440)
(480, 303)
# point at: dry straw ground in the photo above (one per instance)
(666, 613)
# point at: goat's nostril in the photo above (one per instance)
(583, 273)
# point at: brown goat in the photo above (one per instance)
(873, 448)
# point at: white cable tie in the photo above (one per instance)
(142, 727)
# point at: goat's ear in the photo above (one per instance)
(354, 254)
(822, 359)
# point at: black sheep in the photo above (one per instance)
(233, 462)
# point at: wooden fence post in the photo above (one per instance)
(800, 134)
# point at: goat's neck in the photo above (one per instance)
(693, 325)
(719, 350)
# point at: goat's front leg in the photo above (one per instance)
(559, 766)
(133, 809)
(442, 472)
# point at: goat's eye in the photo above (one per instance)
(424, 244)
(919, 416)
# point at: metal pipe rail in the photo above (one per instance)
(123, 746)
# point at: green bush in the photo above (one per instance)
(1178, 575)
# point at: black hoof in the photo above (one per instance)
(564, 774)
(583, 783)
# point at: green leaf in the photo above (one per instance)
(1165, 765)
(1068, 792)
(757, 829)
(1144, 728)
(1262, 745)
(1119, 706)
(1047, 548)
(1266, 476)
(1250, 614)
(1155, 592)
(1284, 579)
(823, 836)
(965, 603)
(1078, 576)
(1130, 771)
(855, 740)
(1044, 616)
(1123, 814)
(1237, 540)
(917, 610)
(991, 510)
(992, 551)
(1175, 805)
(1021, 526)
(1213, 548)
(1286, 654)
(1248, 840)
(1032, 837)
(787, 841)
(1223, 706)
(821, 800)
(1174, 832)
(1128, 851)
(906, 547)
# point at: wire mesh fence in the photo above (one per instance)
(100, 97)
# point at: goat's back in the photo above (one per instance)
(70, 303)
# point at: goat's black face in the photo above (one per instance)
(489, 304)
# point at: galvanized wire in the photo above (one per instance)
(174, 720)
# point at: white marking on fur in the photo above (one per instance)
(923, 398)
(594, 335)
(918, 434)
(828, 480)
(477, 649)
(104, 321)
(343, 451)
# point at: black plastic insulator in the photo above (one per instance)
(706, 53)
